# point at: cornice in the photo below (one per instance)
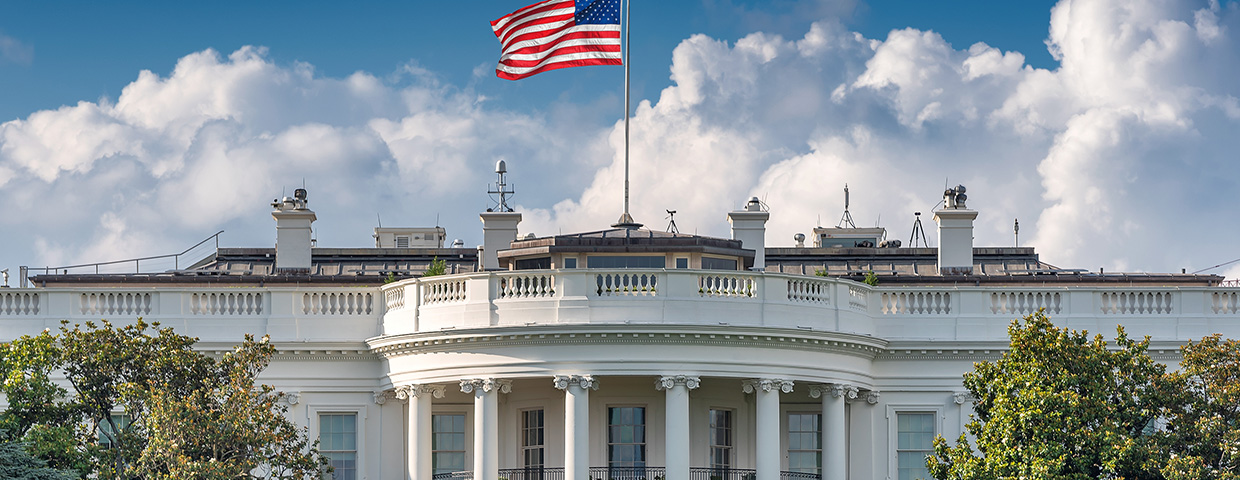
(642, 334)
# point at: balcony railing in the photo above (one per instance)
(627, 473)
(706, 473)
(532, 473)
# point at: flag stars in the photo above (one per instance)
(597, 12)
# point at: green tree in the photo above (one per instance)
(437, 267)
(1060, 405)
(1202, 435)
(154, 377)
(17, 464)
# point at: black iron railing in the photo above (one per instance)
(453, 476)
(532, 473)
(799, 476)
(703, 473)
(627, 473)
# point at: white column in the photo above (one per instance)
(767, 450)
(419, 431)
(834, 439)
(676, 423)
(486, 424)
(576, 424)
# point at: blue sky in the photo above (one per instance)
(85, 50)
(138, 128)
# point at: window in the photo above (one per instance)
(338, 442)
(914, 440)
(448, 443)
(402, 241)
(543, 263)
(626, 437)
(627, 261)
(532, 440)
(682, 262)
(804, 435)
(570, 262)
(107, 435)
(710, 263)
(720, 439)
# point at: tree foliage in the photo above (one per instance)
(17, 464)
(172, 401)
(1060, 405)
(1202, 435)
(437, 267)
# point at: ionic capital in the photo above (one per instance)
(405, 392)
(486, 385)
(667, 382)
(291, 398)
(586, 382)
(767, 385)
(836, 390)
(963, 397)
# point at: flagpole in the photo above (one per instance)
(626, 220)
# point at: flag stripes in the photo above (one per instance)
(546, 36)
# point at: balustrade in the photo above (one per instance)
(395, 298)
(917, 302)
(1025, 303)
(116, 303)
(19, 303)
(632, 284)
(1135, 303)
(447, 290)
(526, 285)
(809, 290)
(858, 298)
(226, 303)
(723, 285)
(1225, 303)
(337, 303)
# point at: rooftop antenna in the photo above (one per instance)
(380, 219)
(671, 225)
(847, 218)
(919, 233)
(501, 188)
(1016, 230)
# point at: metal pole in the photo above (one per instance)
(627, 59)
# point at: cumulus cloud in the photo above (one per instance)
(1122, 157)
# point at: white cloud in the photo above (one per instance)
(14, 51)
(1121, 158)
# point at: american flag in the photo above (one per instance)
(558, 34)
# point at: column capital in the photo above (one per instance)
(381, 396)
(486, 385)
(837, 390)
(766, 385)
(405, 392)
(962, 398)
(587, 382)
(290, 398)
(667, 382)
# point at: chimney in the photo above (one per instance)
(293, 241)
(499, 229)
(749, 226)
(955, 233)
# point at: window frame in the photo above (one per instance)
(467, 443)
(893, 430)
(645, 443)
(731, 438)
(524, 428)
(787, 438)
(312, 417)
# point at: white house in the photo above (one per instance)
(626, 353)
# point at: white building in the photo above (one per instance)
(626, 353)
